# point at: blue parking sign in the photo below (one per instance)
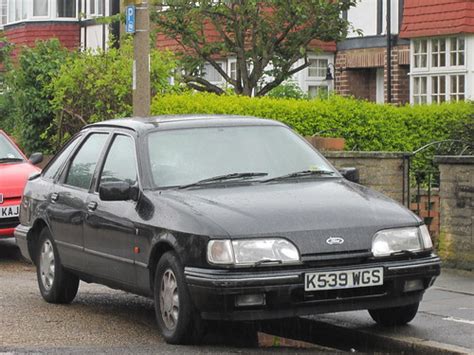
(130, 19)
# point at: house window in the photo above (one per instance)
(3, 12)
(40, 8)
(317, 68)
(457, 51)
(66, 8)
(420, 91)
(438, 88)
(96, 7)
(420, 53)
(315, 91)
(457, 87)
(17, 10)
(233, 70)
(438, 52)
(211, 74)
(438, 70)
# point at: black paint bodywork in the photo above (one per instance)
(118, 243)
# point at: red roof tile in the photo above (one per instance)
(424, 18)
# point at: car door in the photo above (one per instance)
(109, 228)
(68, 198)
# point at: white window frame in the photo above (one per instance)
(431, 72)
(318, 67)
(214, 82)
(56, 15)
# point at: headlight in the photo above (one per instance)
(389, 241)
(251, 251)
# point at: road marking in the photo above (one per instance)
(459, 320)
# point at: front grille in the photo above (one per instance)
(9, 222)
(354, 257)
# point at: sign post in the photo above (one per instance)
(138, 24)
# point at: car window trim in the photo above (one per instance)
(56, 157)
(96, 185)
(65, 172)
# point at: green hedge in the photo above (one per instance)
(365, 126)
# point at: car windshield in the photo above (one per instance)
(8, 152)
(252, 153)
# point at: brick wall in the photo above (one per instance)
(27, 33)
(381, 171)
(356, 70)
(456, 238)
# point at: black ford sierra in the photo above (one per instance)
(220, 218)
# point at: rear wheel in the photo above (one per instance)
(394, 316)
(176, 316)
(56, 284)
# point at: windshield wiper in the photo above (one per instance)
(301, 173)
(231, 176)
(7, 160)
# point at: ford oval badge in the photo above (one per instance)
(335, 240)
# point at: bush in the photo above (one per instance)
(365, 126)
(26, 103)
(289, 90)
(96, 85)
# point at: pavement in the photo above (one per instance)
(102, 320)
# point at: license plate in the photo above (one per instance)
(9, 211)
(333, 280)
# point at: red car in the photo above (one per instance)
(15, 169)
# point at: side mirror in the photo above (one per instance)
(118, 191)
(36, 158)
(351, 174)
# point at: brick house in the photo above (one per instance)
(441, 35)
(431, 47)
(311, 80)
(70, 21)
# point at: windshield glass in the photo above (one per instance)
(185, 156)
(7, 150)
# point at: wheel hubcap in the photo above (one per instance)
(169, 299)
(46, 264)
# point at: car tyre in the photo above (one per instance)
(56, 284)
(394, 316)
(177, 318)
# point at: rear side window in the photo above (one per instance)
(52, 171)
(83, 166)
(120, 165)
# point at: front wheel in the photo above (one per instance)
(394, 316)
(176, 316)
(56, 284)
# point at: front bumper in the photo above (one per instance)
(214, 291)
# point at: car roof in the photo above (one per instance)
(141, 125)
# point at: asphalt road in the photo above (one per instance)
(101, 320)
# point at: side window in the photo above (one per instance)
(53, 169)
(121, 163)
(83, 166)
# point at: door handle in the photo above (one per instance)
(54, 197)
(92, 206)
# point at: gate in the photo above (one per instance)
(421, 179)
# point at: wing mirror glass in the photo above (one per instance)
(36, 158)
(351, 174)
(118, 191)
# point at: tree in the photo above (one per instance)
(93, 86)
(267, 38)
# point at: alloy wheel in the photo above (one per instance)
(47, 265)
(169, 299)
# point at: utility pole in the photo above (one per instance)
(141, 62)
